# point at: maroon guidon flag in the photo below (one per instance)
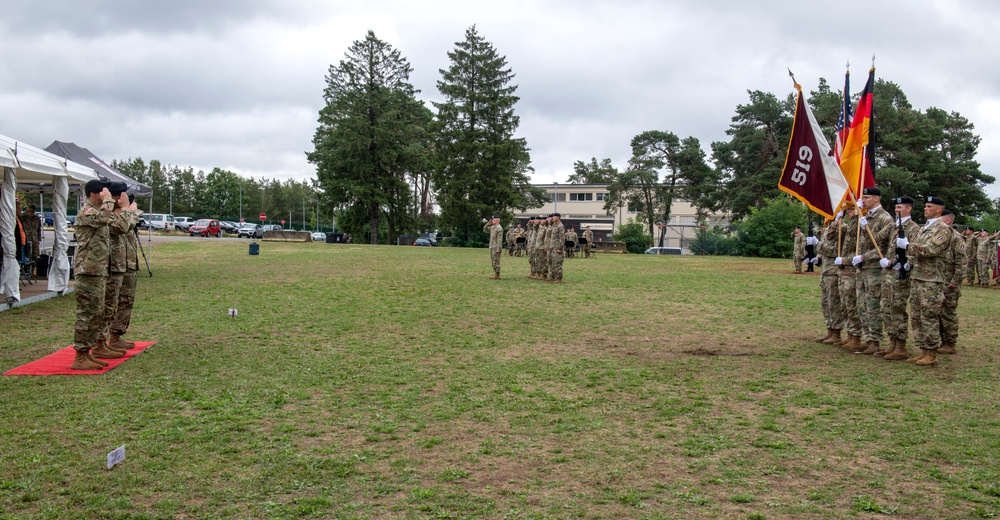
(811, 173)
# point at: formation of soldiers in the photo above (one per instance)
(982, 264)
(545, 243)
(106, 267)
(873, 265)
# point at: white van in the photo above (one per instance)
(158, 221)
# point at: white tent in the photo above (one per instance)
(25, 164)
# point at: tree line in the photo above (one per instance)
(387, 164)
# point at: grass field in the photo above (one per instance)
(399, 382)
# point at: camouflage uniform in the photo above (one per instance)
(589, 235)
(571, 236)
(847, 282)
(32, 228)
(869, 283)
(529, 246)
(496, 244)
(954, 272)
(928, 253)
(510, 241)
(91, 266)
(542, 249)
(518, 246)
(829, 280)
(557, 241)
(896, 292)
(118, 228)
(971, 248)
(800, 249)
(126, 297)
(984, 257)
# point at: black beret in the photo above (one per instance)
(904, 200)
(983, 230)
(556, 215)
(95, 186)
(872, 191)
(934, 200)
(946, 212)
(117, 188)
(968, 228)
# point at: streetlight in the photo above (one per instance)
(171, 211)
(555, 197)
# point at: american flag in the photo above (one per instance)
(845, 118)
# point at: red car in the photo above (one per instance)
(205, 227)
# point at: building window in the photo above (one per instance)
(581, 197)
(560, 197)
(602, 197)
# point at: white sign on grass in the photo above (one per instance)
(117, 455)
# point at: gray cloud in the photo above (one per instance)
(238, 84)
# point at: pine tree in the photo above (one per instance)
(482, 169)
(364, 141)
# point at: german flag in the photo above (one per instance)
(857, 160)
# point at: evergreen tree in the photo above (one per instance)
(363, 144)
(592, 172)
(482, 169)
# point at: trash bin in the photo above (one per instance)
(42, 266)
(254, 248)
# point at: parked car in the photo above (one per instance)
(205, 227)
(423, 242)
(432, 237)
(229, 226)
(183, 223)
(158, 222)
(664, 251)
(251, 231)
(272, 227)
(318, 236)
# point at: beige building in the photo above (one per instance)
(582, 205)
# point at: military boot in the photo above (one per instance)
(834, 337)
(899, 353)
(116, 342)
(495, 277)
(102, 351)
(95, 360)
(862, 346)
(886, 350)
(842, 342)
(853, 343)
(873, 347)
(829, 332)
(82, 362)
(103, 344)
(930, 358)
(914, 359)
(557, 280)
(946, 349)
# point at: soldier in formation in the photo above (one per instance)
(127, 219)
(126, 297)
(799, 249)
(495, 231)
(923, 266)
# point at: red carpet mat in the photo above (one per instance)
(58, 363)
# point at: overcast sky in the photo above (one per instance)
(237, 84)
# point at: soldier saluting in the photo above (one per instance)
(92, 267)
(928, 252)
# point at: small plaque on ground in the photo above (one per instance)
(116, 456)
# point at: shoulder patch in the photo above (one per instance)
(939, 238)
(89, 210)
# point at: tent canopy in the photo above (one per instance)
(34, 165)
(84, 156)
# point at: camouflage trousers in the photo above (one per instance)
(926, 302)
(543, 263)
(846, 283)
(555, 264)
(895, 295)
(126, 298)
(949, 316)
(797, 258)
(586, 250)
(495, 259)
(970, 270)
(869, 285)
(985, 273)
(112, 290)
(829, 291)
(89, 310)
